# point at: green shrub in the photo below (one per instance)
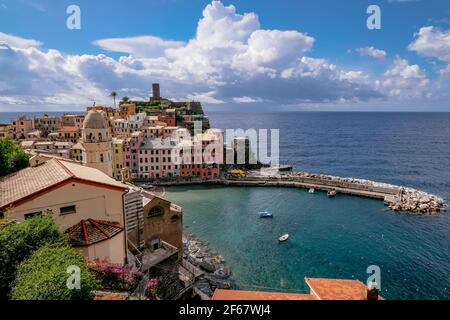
(44, 276)
(12, 157)
(18, 241)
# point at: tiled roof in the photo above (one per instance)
(220, 294)
(87, 232)
(33, 180)
(69, 129)
(321, 289)
(336, 289)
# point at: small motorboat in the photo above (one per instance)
(331, 193)
(283, 238)
(311, 190)
(265, 214)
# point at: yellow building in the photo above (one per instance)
(84, 202)
(118, 158)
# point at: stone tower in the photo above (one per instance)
(156, 91)
(97, 142)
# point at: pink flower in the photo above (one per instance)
(152, 283)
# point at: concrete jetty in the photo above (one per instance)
(397, 198)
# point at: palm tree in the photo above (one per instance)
(114, 95)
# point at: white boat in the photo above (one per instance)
(283, 237)
(311, 190)
(331, 193)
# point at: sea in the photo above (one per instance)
(345, 237)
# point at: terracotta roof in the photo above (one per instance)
(321, 289)
(87, 232)
(335, 289)
(69, 129)
(220, 294)
(34, 180)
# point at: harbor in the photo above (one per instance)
(397, 198)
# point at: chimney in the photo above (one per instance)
(156, 91)
(372, 291)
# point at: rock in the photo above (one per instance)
(196, 262)
(203, 286)
(218, 282)
(207, 266)
(222, 273)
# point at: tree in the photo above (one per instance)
(114, 95)
(51, 273)
(12, 157)
(125, 99)
(19, 240)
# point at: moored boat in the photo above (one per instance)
(265, 214)
(283, 238)
(331, 193)
(312, 190)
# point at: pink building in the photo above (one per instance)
(169, 117)
(21, 126)
(72, 120)
(155, 159)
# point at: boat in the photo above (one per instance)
(147, 186)
(283, 238)
(265, 214)
(311, 190)
(331, 193)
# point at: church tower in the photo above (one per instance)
(97, 142)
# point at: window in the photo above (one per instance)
(156, 211)
(31, 215)
(67, 210)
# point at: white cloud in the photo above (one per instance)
(17, 41)
(143, 46)
(405, 81)
(245, 99)
(432, 42)
(230, 60)
(372, 52)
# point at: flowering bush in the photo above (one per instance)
(152, 285)
(115, 277)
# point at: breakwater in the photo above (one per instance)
(397, 198)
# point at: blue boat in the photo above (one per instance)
(265, 214)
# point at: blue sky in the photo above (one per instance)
(250, 54)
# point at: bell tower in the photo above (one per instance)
(97, 142)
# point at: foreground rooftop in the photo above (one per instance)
(320, 289)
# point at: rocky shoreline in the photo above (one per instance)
(215, 273)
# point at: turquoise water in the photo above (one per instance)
(336, 238)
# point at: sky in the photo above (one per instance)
(251, 55)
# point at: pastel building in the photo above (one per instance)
(152, 132)
(118, 157)
(20, 127)
(126, 110)
(169, 117)
(69, 134)
(47, 124)
(72, 120)
(84, 202)
(155, 159)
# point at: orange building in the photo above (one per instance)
(126, 110)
